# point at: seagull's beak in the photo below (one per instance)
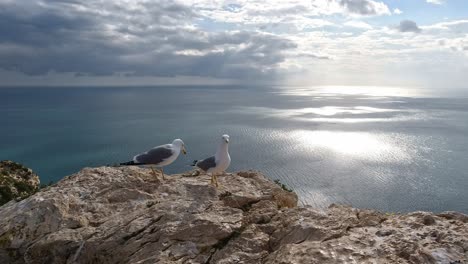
(184, 150)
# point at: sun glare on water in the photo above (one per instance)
(361, 145)
(377, 91)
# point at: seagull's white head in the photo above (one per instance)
(180, 144)
(225, 138)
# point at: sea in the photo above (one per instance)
(369, 147)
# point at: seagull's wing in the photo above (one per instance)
(207, 164)
(155, 156)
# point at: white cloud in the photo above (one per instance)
(358, 24)
(397, 11)
(435, 2)
(291, 14)
(458, 25)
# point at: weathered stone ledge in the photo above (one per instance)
(125, 215)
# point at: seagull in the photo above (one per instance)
(159, 156)
(217, 163)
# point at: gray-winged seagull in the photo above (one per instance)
(159, 156)
(217, 163)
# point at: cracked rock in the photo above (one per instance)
(125, 215)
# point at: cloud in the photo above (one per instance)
(408, 26)
(435, 2)
(248, 40)
(285, 15)
(454, 25)
(138, 38)
(162, 37)
(314, 56)
(365, 7)
(397, 11)
(358, 24)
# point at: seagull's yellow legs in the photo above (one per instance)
(214, 180)
(160, 170)
(154, 173)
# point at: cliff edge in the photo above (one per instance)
(126, 215)
(16, 181)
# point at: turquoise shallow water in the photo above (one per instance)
(391, 153)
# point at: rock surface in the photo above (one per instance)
(125, 215)
(16, 181)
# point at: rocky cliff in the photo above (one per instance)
(16, 181)
(125, 215)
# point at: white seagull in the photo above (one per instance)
(217, 163)
(159, 156)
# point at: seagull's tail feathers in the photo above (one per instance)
(194, 163)
(130, 163)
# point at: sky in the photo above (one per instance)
(410, 43)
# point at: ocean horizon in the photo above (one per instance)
(392, 150)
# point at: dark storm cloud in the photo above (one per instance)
(408, 26)
(139, 38)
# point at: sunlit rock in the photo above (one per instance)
(126, 215)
